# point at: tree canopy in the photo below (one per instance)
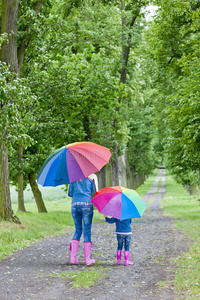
(98, 71)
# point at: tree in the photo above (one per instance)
(12, 53)
(174, 38)
(8, 54)
(130, 13)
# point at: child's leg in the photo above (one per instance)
(127, 252)
(127, 241)
(120, 240)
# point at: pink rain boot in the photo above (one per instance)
(73, 248)
(126, 257)
(119, 254)
(87, 251)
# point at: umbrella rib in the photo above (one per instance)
(87, 160)
(80, 146)
(91, 152)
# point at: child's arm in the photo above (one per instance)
(110, 220)
(70, 190)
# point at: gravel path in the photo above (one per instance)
(155, 241)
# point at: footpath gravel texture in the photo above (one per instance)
(155, 242)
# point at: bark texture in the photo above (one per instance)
(8, 54)
(5, 201)
(114, 167)
(37, 194)
(21, 206)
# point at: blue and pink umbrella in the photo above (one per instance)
(73, 162)
(119, 202)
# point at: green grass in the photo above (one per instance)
(185, 210)
(148, 184)
(84, 278)
(160, 183)
(36, 225)
(161, 284)
(49, 193)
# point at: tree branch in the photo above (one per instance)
(26, 40)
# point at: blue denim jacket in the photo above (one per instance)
(81, 190)
(123, 226)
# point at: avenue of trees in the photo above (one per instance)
(98, 71)
(173, 47)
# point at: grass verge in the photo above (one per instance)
(148, 184)
(36, 225)
(185, 210)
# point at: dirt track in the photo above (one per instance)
(155, 241)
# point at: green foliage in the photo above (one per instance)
(72, 65)
(16, 102)
(173, 46)
(75, 80)
(139, 147)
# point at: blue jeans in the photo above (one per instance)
(82, 215)
(123, 239)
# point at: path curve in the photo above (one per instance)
(155, 241)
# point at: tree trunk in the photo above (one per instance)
(199, 186)
(20, 58)
(36, 193)
(132, 179)
(114, 167)
(8, 54)
(122, 171)
(193, 189)
(128, 171)
(126, 46)
(137, 181)
(5, 201)
(101, 175)
(21, 206)
(86, 126)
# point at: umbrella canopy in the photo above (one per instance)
(73, 162)
(119, 202)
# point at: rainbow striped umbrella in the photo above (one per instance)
(119, 202)
(73, 162)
